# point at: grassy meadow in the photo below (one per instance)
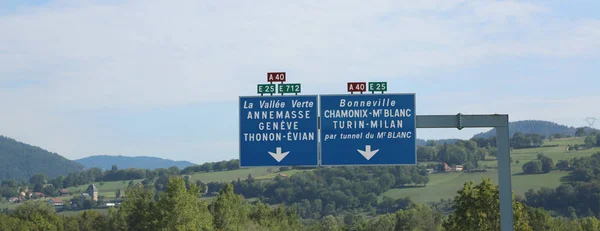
(228, 176)
(445, 185)
(106, 189)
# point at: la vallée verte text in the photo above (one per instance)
(279, 125)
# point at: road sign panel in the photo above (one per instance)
(276, 77)
(378, 86)
(278, 131)
(368, 129)
(289, 88)
(265, 88)
(357, 86)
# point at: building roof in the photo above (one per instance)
(56, 200)
(85, 194)
(93, 188)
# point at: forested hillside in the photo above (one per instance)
(21, 161)
(544, 128)
(144, 162)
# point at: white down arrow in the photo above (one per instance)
(278, 155)
(367, 153)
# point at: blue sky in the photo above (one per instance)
(161, 79)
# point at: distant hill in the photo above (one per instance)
(21, 161)
(545, 128)
(123, 162)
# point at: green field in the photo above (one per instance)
(105, 189)
(273, 175)
(228, 176)
(7, 205)
(12, 206)
(445, 185)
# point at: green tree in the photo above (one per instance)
(580, 132)
(139, 208)
(478, 208)
(562, 165)
(384, 222)
(539, 219)
(425, 153)
(38, 179)
(431, 143)
(547, 163)
(49, 190)
(355, 222)
(92, 220)
(40, 215)
(179, 208)
(329, 223)
(161, 183)
(278, 218)
(116, 220)
(418, 217)
(532, 167)
(38, 187)
(229, 210)
(12, 223)
(590, 141)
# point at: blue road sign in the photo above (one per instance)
(369, 129)
(278, 131)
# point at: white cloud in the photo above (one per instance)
(95, 55)
(157, 53)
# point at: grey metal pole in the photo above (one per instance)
(500, 122)
(504, 177)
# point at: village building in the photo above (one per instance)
(83, 197)
(455, 168)
(458, 168)
(57, 203)
(64, 192)
(38, 195)
(93, 192)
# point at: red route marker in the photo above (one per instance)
(276, 77)
(357, 86)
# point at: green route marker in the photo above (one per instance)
(265, 88)
(289, 88)
(378, 86)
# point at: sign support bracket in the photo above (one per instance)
(500, 123)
